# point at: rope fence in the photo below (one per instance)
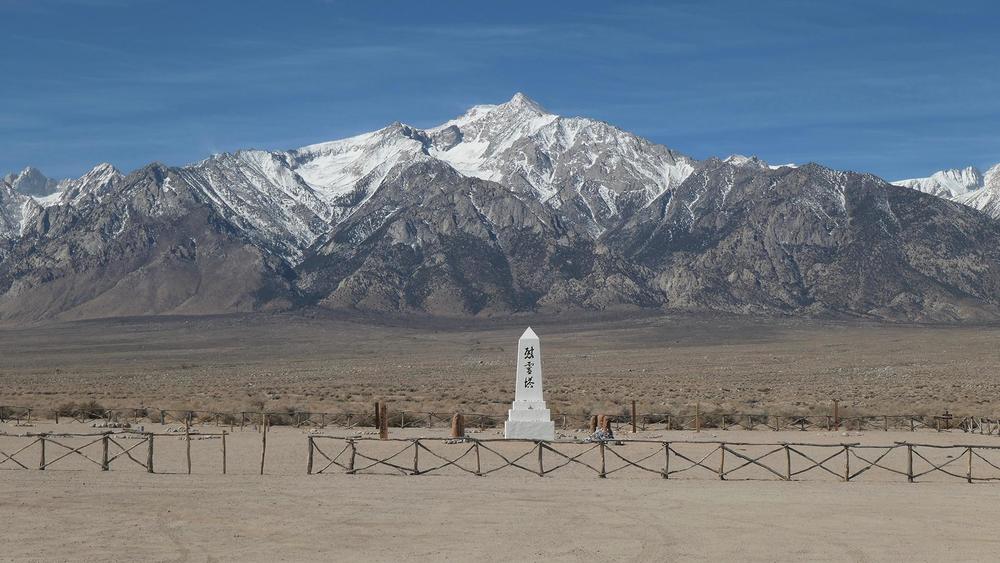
(670, 459)
(784, 461)
(43, 450)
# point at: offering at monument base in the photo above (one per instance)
(528, 417)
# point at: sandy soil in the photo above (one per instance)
(73, 511)
(128, 516)
(335, 364)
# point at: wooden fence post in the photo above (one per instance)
(163, 417)
(788, 463)
(378, 415)
(604, 473)
(847, 463)
(634, 429)
(479, 467)
(223, 452)
(263, 441)
(666, 460)
(383, 421)
(909, 463)
(350, 462)
(968, 477)
(836, 414)
(41, 459)
(722, 461)
(416, 457)
(187, 442)
(541, 469)
(149, 452)
(309, 457)
(697, 417)
(104, 455)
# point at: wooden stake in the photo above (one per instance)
(604, 473)
(309, 457)
(847, 463)
(666, 460)
(909, 462)
(187, 439)
(541, 469)
(263, 441)
(788, 463)
(969, 474)
(350, 462)
(104, 454)
(479, 467)
(378, 415)
(634, 429)
(41, 459)
(224, 452)
(383, 428)
(416, 457)
(722, 461)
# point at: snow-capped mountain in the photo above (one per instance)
(32, 182)
(505, 208)
(968, 186)
(593, 172)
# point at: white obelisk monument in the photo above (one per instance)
(528, 417)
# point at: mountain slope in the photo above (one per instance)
(149, 246)
(811, 240)
(507, 208)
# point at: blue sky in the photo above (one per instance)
(896, 88)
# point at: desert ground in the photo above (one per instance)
(332, 363)
(75, 511)
(336, 363)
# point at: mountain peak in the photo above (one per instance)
(519, 100)
(31, 181)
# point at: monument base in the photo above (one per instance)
(530, 429)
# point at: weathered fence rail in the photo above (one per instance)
(42, 450)
(670, 459)
(784, 461)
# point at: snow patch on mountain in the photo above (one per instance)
(968, 186)
(947, 183)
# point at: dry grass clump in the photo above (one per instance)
(82, 409)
